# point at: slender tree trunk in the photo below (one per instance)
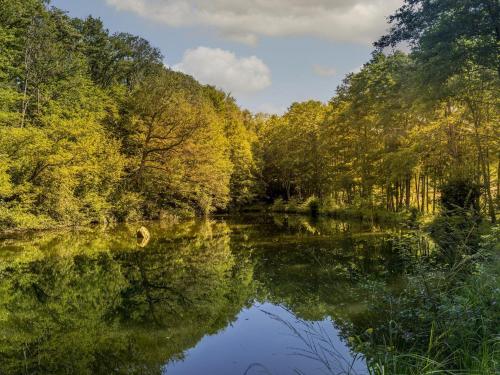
(140, 171)
(427, 193)
(423, 194)
(144, 156)
(25, 102)
(434, 197)
(401, 194)
(393, 207)
(417, 191)
(498, 181)
(482, 161)
(387, 190)
(408, 192)
(396, 189)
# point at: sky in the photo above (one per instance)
(266, 53)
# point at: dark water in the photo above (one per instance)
(245, 295)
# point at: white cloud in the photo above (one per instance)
(324, 71)
(360, 21)
(250, 39)
(225, 70)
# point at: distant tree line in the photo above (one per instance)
(406, 126)
(94, 127)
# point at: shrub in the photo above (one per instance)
(456, 230)
(17, 218)
(460, 194)
(444, 321)
(278, 205)
(127, 207)
(456, 235)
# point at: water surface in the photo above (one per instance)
(245, 295)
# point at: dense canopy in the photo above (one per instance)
(95, 128)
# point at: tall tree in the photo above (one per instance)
(169, 127)
(455, 40)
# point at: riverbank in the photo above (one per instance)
(312, 208)
(21, 223)
(445, 321)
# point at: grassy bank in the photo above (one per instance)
(316, 208)
(445, 321)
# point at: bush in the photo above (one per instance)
(445, 330)
(456, 230)
(278, 205)
(460, 194)
(456, 235)
(17, 218)
(127, 207)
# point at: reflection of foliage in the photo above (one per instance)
(87, 311)
(53, 313)
(316, 273)
(87, 302)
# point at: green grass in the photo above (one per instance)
(309, 207)
(453, 316)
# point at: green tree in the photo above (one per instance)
(457, 46)
(178, 150)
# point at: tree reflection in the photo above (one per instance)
(66, 307)
(95, 302)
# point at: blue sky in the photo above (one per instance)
(267, 53)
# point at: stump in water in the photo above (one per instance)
(143, 236)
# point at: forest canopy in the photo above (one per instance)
(95, 128)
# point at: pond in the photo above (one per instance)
(230, 295)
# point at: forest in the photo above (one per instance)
(97, 131)
(95, 128)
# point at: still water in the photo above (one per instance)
(245, 295)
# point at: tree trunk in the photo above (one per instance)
(498, 181)
(427, 193)
(482, 161)
(408, 192)
(417, 191)
(434, 197)
(396, 196)
(423, 194)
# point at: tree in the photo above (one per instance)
(456, 42)
(242, 138)
(447, 34)
(173, 138)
